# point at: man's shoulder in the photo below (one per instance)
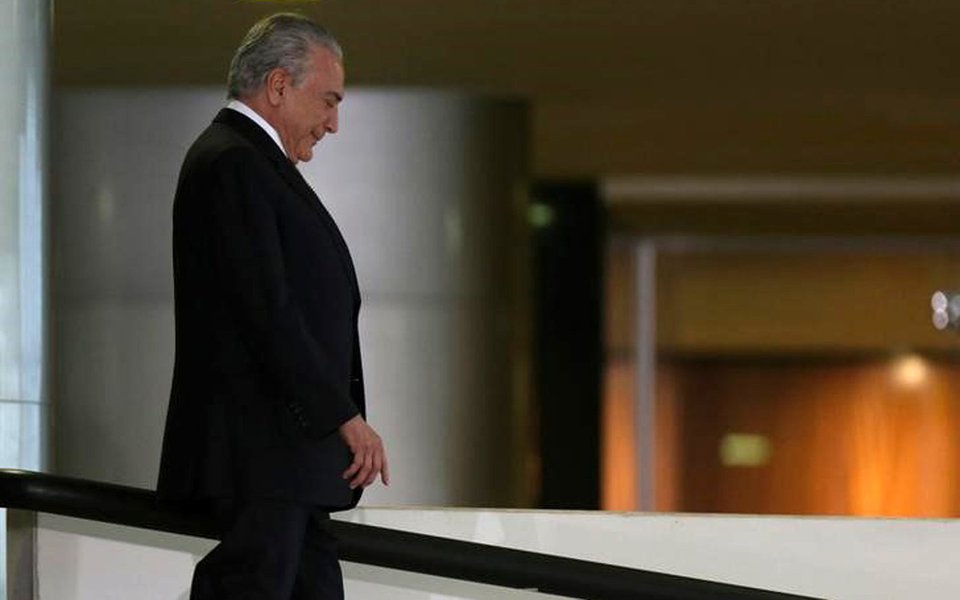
(218, 138)
(221, 144)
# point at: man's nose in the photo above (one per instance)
(333, 121)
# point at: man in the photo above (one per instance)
(266, 419)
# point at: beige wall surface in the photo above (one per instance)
(801, 302)
(778, 299)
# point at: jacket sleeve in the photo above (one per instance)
(249, 258)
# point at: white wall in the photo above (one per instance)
(836, 558)
(421, 184)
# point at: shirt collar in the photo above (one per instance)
(254, 116)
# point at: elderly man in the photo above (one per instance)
(266, 426)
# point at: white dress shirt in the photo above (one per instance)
(246, 111)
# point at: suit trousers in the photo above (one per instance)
(270, 550)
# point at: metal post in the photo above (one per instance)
(645, 259)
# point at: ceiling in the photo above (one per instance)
(615, 86)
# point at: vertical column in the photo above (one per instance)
(567, 242)
(23, 89)
(646, 372)
(422, 183)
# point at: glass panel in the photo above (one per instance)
(21, 424)
(792, 377)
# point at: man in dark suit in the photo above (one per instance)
(266, 424)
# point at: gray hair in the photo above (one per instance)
(282, 40)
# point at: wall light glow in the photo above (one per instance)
(910, 371)
(745, 450)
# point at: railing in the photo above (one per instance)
(381, 547)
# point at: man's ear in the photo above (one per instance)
(278, 80)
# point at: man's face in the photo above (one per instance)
(308, 111)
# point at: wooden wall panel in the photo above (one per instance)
(846, 439)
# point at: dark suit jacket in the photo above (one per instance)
(267, 353)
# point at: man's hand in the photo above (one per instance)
(369, 457)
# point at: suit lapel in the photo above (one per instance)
(293, 176)
(263, 142)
